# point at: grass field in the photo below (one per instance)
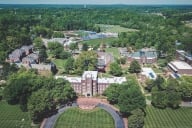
(59, 63)
(113, 51)
(168, 118)
(77, 118)
(115, 28)
(12, 117)
(97, 42)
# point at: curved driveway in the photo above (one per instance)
(50, 122)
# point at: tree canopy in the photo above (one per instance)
(135, 67)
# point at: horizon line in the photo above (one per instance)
(86, 4)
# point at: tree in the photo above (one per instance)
(173, 93)
(38, 43)
(42, 55)
(62, 92)
(85, 47)
(58, 35)
(55, 48)
(122, 60)
(160, 83)
(65, 55)
(19, 88)
(69, 65)
(136, 120)
(40, 104)
(87, 60)
(73, 46)
(159, 99)
(130, 98)
(112, 93)
(135, 67)
(115, 69)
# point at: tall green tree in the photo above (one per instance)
(40, 104)
(136, 120)
(115, 69)
(87, 60)
(69, 65)
(112, 93)
(130, 98)
(55, 48)
(135, 67)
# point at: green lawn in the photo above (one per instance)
(113, 51)
(59, 63)
(77, 118)
(115, 28)
(12, 117)
(97, 42)
(168, 118)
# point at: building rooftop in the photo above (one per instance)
(92, 74)
(70, 79)
(180, 65)
(118, 80)
(185, 54)
(148, 54)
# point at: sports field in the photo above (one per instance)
(12, 117)
(115, 28)
(97, 42)
(77, 118)
(168, 118)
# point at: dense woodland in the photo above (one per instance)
(20, 26)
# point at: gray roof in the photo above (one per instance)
(92, 74)
(148, 54)
(101, 62)
(27, 47)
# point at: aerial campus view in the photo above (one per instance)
(95, 64)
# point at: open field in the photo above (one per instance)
(59, 63)
(168, 118)
(12, 117)
(115, 28)
(97, 42)
(113, 51)
(77, 118)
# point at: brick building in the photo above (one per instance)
(144, 56)
(89, 84)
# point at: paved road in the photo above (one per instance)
(118, 120)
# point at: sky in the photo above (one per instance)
(177, 2)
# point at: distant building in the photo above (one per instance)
(17, 55)
(104, 59)
(144, 56)
(63, 41)
(184, 56)
(89, 84)
(180, 67)
(31, 59)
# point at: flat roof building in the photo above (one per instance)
(180, 67)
